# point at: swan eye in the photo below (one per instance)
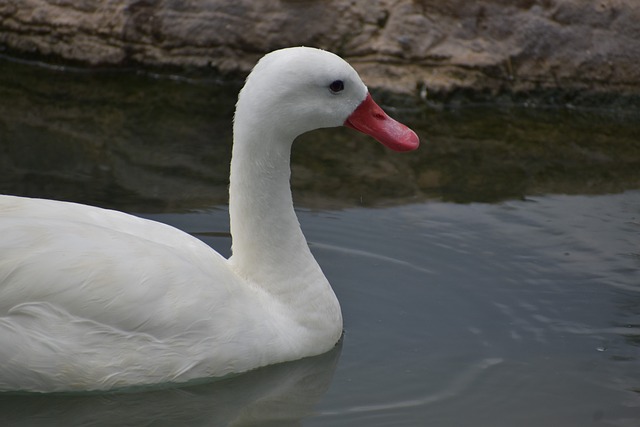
(336, 86)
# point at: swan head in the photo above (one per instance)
(295, 90)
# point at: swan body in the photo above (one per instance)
(94, 299)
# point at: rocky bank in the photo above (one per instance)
(439, 46)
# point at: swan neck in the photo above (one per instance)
(268, 245)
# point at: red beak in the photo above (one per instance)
(369, 118)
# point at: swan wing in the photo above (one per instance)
(106, 265)
(88, 295)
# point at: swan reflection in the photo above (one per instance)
(281, 394)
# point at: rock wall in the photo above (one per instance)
(399, 45)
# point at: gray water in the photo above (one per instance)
(489, 279)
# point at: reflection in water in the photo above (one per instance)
(527, 283)
(279, 395)
(154, 144)
(452, 390)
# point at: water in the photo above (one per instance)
(490, 279)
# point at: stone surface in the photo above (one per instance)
(442, 46)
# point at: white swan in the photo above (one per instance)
(94, 299)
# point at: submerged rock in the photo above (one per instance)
(403, 46)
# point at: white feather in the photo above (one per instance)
(93, 299)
